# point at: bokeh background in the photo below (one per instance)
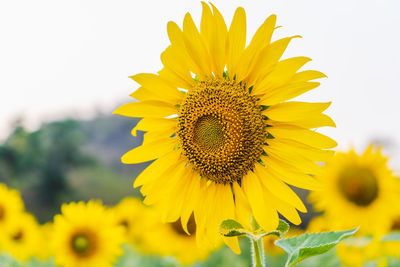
(65, 65)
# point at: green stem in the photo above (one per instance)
(258, 253)
(257, 245)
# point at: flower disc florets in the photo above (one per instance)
(221, 129)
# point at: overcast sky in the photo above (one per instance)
(73, 58)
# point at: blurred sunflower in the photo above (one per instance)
(86, 235)
(170, 239)
(360, 189)
(130, 213)
(11, 206)
(22, 238)
(226, 141)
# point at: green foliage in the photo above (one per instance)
(307, 245)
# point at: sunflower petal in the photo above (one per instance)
(265, 215)
(158, 86)
(146, 108)
(236, 40)
(157, 168)
(149, 151)
(154, 124)
(278, 188)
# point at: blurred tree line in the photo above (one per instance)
(69, 160)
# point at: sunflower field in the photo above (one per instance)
(230, 167)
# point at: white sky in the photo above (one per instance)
(71, 58)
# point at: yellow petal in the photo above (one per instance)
(175, 34)
(282, 74)
(260, 39)
(278, 188)
(149, 151)
(195, 47)
(177, 53)
(297, 162)
(144, 94)
(286, 92)
(292, 111)
(154, 124)
(267, 60)
(308, 137)
(191, 199)
(232, 243)
(151, 137)
(265, 215)
(290, 175)
(236, 40)
(175, 74)
(285, 209)
(158, 86)
(147, 108)
(158, 168)
(243, 210)
(308, 75)
(217, 46)
(295, 148)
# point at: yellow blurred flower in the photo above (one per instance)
(360, 191)
(356, 251)
(86, 235)
(22, 238)
(11, 206)
(171, 239)
(131, 214)
(225, 140)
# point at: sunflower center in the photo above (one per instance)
(2, 213)
(221, 129)
(359, 185)
(396, 224)
(191, 227)
(18, 236)
(82, 244)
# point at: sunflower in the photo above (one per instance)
(170, 239)
(225, 140)
(130, 213)
(356, 251)
(11, 206)
(360, 189)
(21, 238)
(86, 235)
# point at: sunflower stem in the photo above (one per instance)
(257, 247)
(258, 253)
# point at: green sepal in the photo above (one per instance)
(231, 228)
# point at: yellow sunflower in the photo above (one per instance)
(360, 189)
(22, 237)
(170, 239)
(11, 206)
(225, 140)
(131, 213)
(86, 235)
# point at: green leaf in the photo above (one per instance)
(307, 245)
(393, 236)
(231, 228)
